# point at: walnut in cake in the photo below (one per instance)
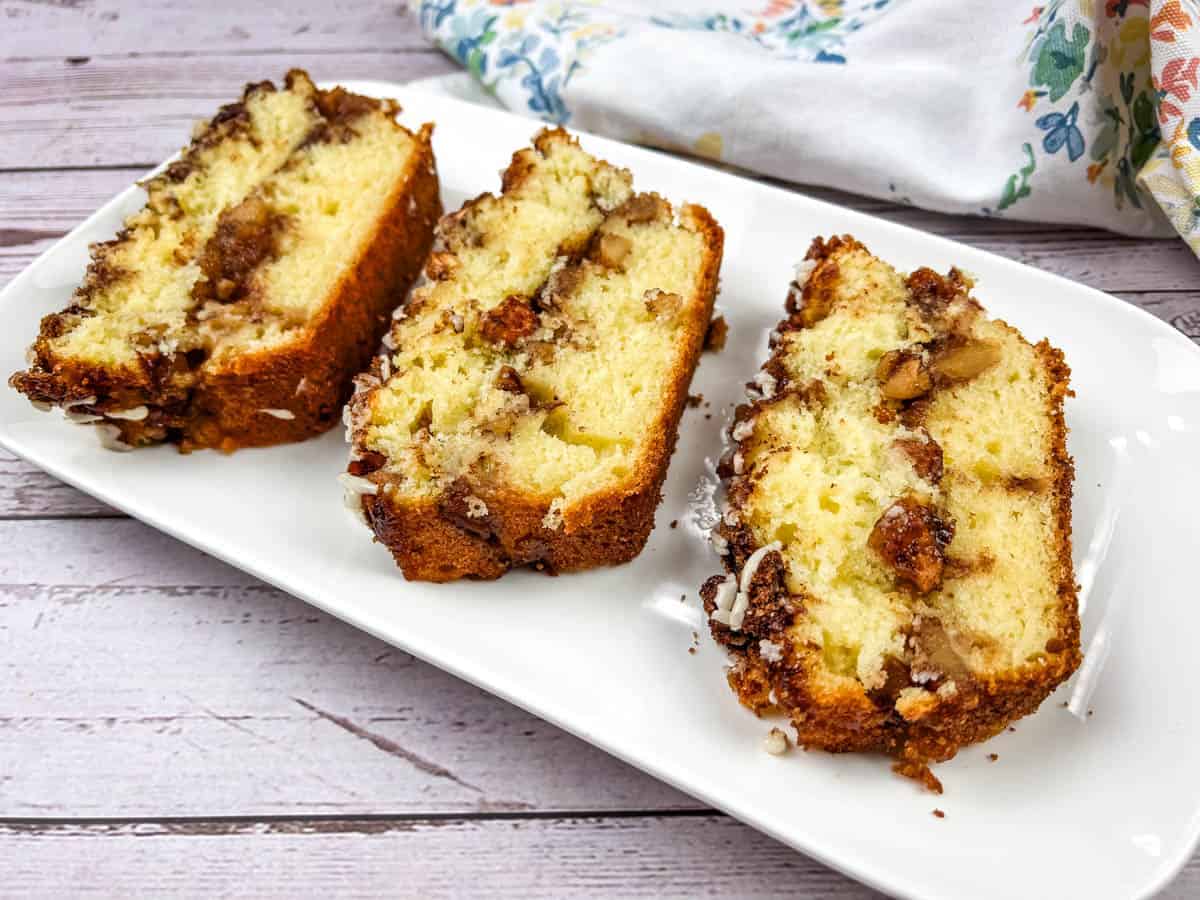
(527, 406)
(898, 530)
(236, 306)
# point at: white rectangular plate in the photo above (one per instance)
(1103, 805)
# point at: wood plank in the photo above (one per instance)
(678, 856)
(59, 29)
(43, 205)
(690, 856)
(1178, 308)
(139, 110)
(144, 678)
(28, 492)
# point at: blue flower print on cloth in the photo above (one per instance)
(1061, 130)
(524, 53)
(815, 32)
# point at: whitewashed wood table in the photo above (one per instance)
(169, 724)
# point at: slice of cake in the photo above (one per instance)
(898, 528)
(528, 405)
(235, 308)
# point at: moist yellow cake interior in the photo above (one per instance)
(319, 191)
(330, 196)
(824, 474)
(594, 373)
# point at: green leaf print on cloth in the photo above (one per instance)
(1017, 186)
(1060, 61)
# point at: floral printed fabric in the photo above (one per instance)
(1082, 111)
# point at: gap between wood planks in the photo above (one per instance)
(203, 54)
(57, 28)
(373, 823)
(633, 857)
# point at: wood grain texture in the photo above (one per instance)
(232, 739)
(652, 856)
(690, 856)
(78, 29)
(54, 114)
(28, 492)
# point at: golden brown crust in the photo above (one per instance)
(847, 718)
(432, 541)
(271, 397)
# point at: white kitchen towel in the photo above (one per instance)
(1078, 111)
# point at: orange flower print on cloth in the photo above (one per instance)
(1120, 95)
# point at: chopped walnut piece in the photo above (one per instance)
(509, 322)
(902, 375)
(367, 463)
(661, 304)
(911, 539)
(934, 654)
(643, 208)
(931, 293)
(963, 361)
(558, 287)
(715, 337)
(926, 457)
(441, 265)
(612, 250)
(245, 236)
(508, 380)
